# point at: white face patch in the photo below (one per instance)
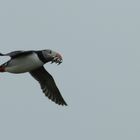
(49, 53)
(53, 53)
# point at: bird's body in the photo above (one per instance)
(32, 62)
(24, 64)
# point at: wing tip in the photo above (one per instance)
(62, 103)
(57, 101)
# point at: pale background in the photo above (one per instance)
(99, 78)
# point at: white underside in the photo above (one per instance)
(24, 64)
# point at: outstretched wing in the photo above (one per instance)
(48, 85)
(16, 53)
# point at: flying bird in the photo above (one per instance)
(32, 62)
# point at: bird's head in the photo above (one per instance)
(52, 56)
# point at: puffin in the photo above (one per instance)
(33, 61)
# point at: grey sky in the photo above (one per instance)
(99, 78)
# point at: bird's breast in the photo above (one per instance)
(23, 64)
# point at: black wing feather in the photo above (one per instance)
(48, 85)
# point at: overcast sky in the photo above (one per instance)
(99, 78)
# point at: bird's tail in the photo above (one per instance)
(2, 69)
(1, 54)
